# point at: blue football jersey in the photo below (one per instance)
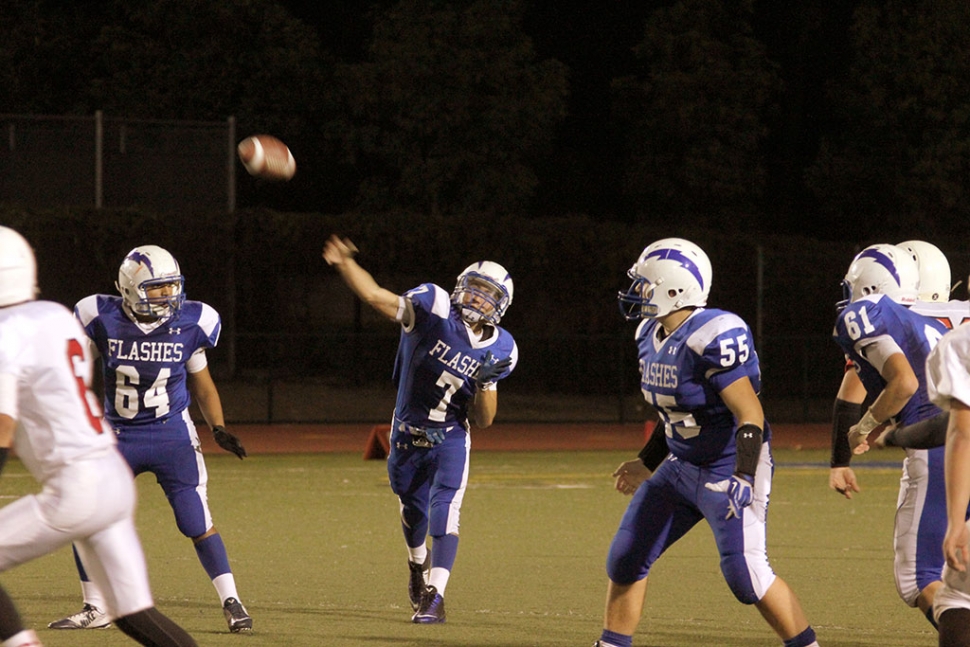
(683, 374)
(437, 359)
(874, 328)
(145, 367)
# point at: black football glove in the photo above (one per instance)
(490, 369)
(228, 442)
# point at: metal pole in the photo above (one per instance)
(759, 307)
(98, 160)
(230, 315)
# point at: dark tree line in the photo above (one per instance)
(845, 122)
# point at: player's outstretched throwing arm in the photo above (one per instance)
(339, 254)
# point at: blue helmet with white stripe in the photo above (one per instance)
(670, 274)
(883, 269)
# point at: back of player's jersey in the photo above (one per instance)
(43, 346)
(873, 328)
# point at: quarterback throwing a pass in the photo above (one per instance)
(699, 370)
(451, 354)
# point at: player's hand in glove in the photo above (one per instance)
(435, 435)
(228, 442)
(739, 491)
(490, 369)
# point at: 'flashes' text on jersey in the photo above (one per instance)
(146, 351)
(659, 375)
(458, 361)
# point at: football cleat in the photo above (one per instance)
(89, 617)
(417, 582)
(432, 608)
(236, 616)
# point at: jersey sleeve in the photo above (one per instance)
(726, 349)
(211, 325)
(427, 300)
(948, 368)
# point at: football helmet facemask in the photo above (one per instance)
(670, 274)
(882, 269)
(147, 267)
(934, 270)
(483, 292)
(18, 269)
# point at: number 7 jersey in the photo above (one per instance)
(437, 359)
(145, 365)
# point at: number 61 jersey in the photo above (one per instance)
(683, 374)
(872, 329)
(145, 364)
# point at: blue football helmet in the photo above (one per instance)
(483, 292)
(671, 274)
(147, 267)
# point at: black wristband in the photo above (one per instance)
(655, 451)
(3, 456)
(748, 440)
(844, 415)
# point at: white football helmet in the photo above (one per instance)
(483, 292)
(934, 270)
(18, 269)
(146, 267)
(882, 269)
(670, 274)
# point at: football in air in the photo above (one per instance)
(266, 157)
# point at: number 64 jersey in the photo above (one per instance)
(145, 365)
(683, 374)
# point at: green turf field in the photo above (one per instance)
(319, 560)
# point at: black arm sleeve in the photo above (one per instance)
(844, 415)
(3, 456)
(656, 449)
(925, 434)
(748, 439)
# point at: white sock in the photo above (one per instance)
(419, 554)
(26, 638)
(92, 595)
(439, 579)
(226, 587)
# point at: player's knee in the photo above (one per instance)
(735, 571)
(624, 565)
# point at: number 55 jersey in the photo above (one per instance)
(146, 364)
(682, 375)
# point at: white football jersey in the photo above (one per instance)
(948, 368)
(950, 313)
(45, 378)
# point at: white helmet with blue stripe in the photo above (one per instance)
(670, 274)
(483, 292)
(883, 269)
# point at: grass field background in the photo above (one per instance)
(317, 552)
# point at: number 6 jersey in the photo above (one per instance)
(682, 375)
(146, 363)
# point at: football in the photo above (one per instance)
(266, 157)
